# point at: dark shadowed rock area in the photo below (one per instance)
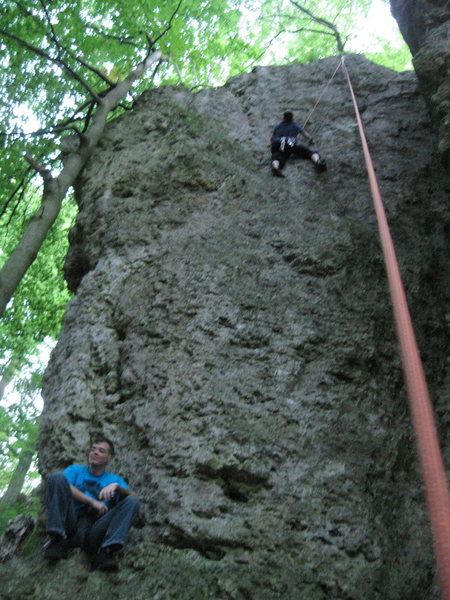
(425, 25)
(232, 332)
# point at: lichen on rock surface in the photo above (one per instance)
(232, 333)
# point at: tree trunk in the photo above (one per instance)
(18, 477)
(55, 189)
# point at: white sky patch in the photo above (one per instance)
(379, 24)
(26, 119)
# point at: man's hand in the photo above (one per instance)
(99, 507)
(108, 492)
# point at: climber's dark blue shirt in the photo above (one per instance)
(284, 129)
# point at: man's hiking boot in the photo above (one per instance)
(56, 549)
(320, 165)
(105, 560)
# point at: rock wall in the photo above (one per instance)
(232, 332)
(425, 25)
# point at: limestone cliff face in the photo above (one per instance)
(425, 25)
(232, 332)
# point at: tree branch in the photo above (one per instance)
(49, 58)
(125, 41)
(54, 38)
(311, 15)
(53, 35)
(168, 27)
(307, 30)
(16, 206)
(321, 21)
(46, 174)
(21, 186)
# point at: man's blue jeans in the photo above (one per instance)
(90, 532)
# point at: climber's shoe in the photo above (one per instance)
(320, 165)
(276, 172)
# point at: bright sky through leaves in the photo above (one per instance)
(379, 25)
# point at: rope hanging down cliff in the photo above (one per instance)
(433, 472)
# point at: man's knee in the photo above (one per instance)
(130, 503)
(56, 480)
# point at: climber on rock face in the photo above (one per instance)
(91, 508)
(284, 144)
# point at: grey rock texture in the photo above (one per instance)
(425, 25)
(232, 332)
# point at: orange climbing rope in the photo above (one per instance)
(433, 472)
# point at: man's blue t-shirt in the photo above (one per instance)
(285, 129)
(91, 485)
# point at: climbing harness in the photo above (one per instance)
(287, 141)
(433, 472)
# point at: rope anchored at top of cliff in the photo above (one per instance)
(433, 472)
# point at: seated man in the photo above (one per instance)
(284, 144)
(90, 508)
